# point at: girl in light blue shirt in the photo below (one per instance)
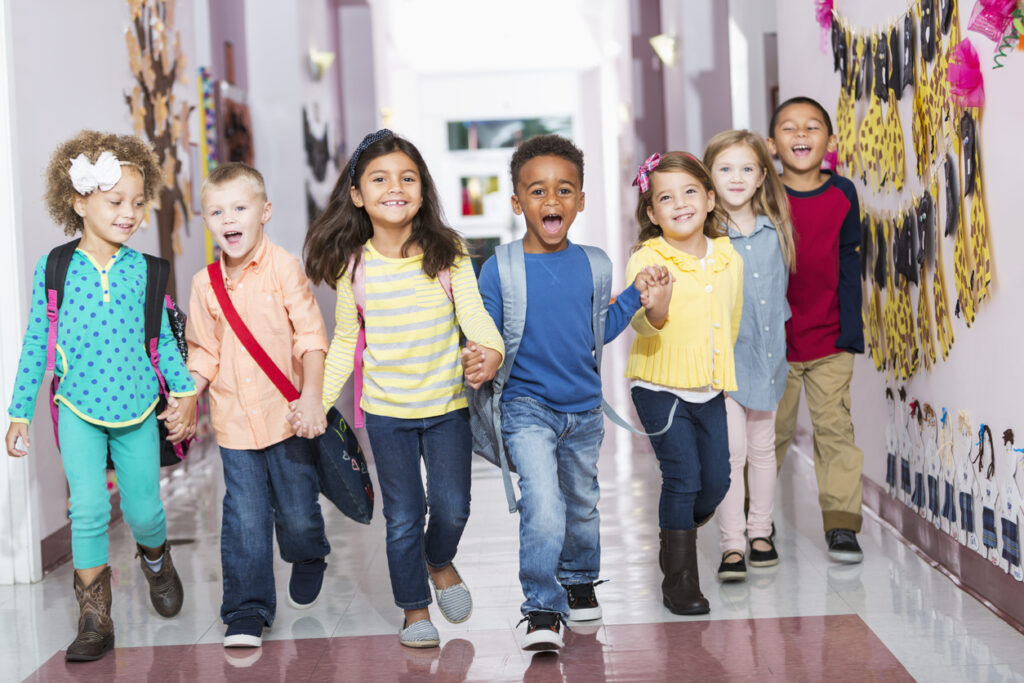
(750, 191)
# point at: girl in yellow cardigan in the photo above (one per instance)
(680, 365)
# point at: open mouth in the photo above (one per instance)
(395, 202)
(233, 237)
(552, 223)
(801, 150)
(124, 227)
(683, 217)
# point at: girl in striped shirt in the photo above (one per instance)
(384, 212)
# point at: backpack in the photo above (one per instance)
(485, 402)
(157, 301)
(358, 274)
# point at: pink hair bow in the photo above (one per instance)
(645, 168)
(964, 75)
(991, 18)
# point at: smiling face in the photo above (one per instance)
(679, 206)
(112, 216)
(391, 191)
(548, 195)
(235, 214)
(737, 176)
(801, 138)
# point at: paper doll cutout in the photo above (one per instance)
(967, 483)
(949, 475)
(891, 442)
(919, 496)
(933, 465)
(1011, 505)
(988, 490)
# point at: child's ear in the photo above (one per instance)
(711, 201)
(517, 208)
(771, 147)
(79, 205)
(356, 195)
(833, 143)
(268, 211)
(650, 215)
(581, 201)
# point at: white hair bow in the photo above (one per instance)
(87, 177)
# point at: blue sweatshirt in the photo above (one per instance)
(555, 363)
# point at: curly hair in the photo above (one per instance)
(542, 146)
(680, 162)
(61, 194)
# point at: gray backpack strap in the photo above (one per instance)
(511, 263)
(601, 270)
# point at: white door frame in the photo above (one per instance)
(20, 535)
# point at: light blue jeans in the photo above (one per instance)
(135, 452)
(556, 456)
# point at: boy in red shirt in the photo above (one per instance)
(826, 328)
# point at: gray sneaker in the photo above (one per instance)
(455, 602)
(420, 633)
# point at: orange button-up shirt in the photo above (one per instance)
(274, 298)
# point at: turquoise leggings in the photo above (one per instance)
(135, 451)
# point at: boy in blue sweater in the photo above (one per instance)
(552, 423)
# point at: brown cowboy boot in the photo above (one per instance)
(680, 588)
(95, 627)
(165, 590)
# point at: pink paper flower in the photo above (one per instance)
(967, 87)
(823, 11)
(991, 18)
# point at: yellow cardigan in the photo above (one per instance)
(680, 354)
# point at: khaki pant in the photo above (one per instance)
(837, 460)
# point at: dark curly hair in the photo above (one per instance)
(61, 193)
(343, 228)
(680, 162)
(542, 146)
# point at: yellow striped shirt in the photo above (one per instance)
(411, 365)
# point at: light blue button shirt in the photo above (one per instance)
(760, 352)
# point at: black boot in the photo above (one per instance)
(95, 627)
(680, 589)
(165, 590)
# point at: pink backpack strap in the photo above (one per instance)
(445, 278)
(357, 271)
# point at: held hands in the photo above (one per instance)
(17, 430)
(307, 418)
(180, 417)
(655, 286)
(479, 364)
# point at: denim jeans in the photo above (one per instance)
(556, 456)
(693, 455)
(266, 488)
(445, 445)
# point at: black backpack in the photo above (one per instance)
(157, 301)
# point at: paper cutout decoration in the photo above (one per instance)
(907, 68)
(970, 155)
(895, 63)
(952, 196)
(981, 277)
(927, 30)
(880, 77)
(964, 76)
(945, 15)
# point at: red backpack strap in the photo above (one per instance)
(245, 336)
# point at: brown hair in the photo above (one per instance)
(343, 228)
(770, 198)
(679, 162)
(235, 170)
(129, 150)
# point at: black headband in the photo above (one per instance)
(367, 141)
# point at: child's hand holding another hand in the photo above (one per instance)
(307, 417)
(180, 416)
(479, 364)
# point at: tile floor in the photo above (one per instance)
(891, 618)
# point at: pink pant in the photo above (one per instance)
(751, 443)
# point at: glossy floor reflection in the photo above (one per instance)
(891, 618)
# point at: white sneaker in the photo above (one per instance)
(544, 631)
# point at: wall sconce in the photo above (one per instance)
(665, 47)
(319, 62)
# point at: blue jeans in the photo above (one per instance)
(555, 455)
(266, 488)
(693, 455)
(445, 444)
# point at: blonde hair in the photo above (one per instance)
(60, 191)
(770, 198)
(235, 170)
(679, 162)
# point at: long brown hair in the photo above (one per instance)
(343, 228)
(679, 162)
(770, 199)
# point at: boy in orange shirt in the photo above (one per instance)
(269, 477)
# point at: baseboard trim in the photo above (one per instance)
(974, 574)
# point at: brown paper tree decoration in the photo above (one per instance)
(158, 63)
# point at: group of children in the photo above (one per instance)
(708, 367)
